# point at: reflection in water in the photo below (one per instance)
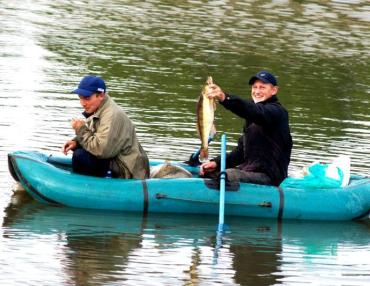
(107, 247)
(257, 264)
(96, 259)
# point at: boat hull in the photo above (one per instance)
(49, 180)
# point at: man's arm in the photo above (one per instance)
(112, 135)
(259, 113)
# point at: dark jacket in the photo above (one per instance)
(266, 143)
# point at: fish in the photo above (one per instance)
(169, 171)
(206, 108)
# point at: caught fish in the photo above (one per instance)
(205, 116)
(169, 171)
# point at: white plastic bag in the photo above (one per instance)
(319, 175)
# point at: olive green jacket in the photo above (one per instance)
(110, 134)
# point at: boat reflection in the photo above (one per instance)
(109, 247)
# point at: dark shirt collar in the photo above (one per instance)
(271, 99)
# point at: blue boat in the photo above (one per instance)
(48, 179)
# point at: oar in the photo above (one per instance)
(194, 158)
(221, 212)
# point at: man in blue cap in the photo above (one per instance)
(263, 152)
(106, 141)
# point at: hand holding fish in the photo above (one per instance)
(216, 92)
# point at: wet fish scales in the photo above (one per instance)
(205, 119)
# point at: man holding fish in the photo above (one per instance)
(263, 152)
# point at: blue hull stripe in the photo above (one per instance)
(146, 199)
(281, 203)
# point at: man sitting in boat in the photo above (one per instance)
(263, 152)
(106, 141)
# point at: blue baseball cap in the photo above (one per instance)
(89, 85)
(264, 76)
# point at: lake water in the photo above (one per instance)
(155, 56)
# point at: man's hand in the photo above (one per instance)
(77, 123)
(69, 145)
(207, 167)
(216, 92)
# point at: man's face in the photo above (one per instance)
(262, 91)
(91, 103)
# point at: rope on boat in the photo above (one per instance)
(264, 204)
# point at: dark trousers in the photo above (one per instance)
(237, 175)
(85, 163)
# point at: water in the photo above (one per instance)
(155, 56)
(83, 247)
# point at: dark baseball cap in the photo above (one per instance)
(264, 76)
(89, 85)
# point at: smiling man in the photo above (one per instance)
(106, 141)
(263, 152)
